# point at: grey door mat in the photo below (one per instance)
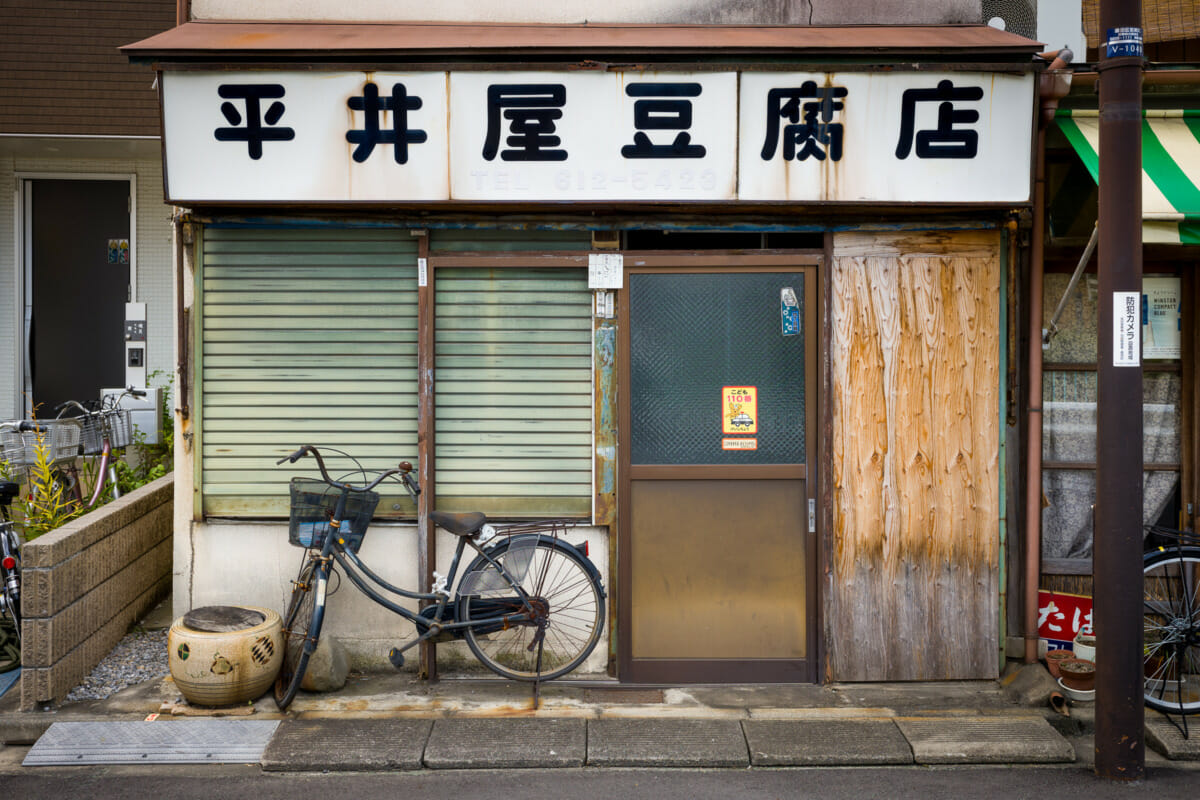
(184, 741)
(314, 745)
(825, 742)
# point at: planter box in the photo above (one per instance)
(86, 582)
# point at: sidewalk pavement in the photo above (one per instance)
(396, 721)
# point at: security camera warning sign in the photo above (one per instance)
(739, 417)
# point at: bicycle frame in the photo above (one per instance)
(334, 550)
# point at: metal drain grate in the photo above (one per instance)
(190, 741)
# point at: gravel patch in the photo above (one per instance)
(139, 657)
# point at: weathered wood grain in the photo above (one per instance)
(912, 591)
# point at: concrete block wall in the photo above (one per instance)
(85, 583)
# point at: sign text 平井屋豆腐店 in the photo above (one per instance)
(310, 136)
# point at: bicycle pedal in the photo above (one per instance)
(396, 657)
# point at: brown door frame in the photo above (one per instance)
(692, 671)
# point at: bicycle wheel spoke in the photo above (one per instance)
(301, 624)
(1170, 614)
(561, 588)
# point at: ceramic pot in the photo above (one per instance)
(1054, 658)
(221, 655)
(1078, 674)
(1085, 646)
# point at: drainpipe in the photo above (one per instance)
(1053, 85)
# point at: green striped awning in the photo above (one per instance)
(1170, 169)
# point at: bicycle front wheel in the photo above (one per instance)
(566, 596)
(301, 629)
(1171, 630)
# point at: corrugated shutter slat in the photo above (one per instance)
(309, 337)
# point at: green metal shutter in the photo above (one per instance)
(307, 336)
(513, 390)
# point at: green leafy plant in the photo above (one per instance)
(146, 462)
(46, 504)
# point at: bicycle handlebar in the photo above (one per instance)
(403, 469)
(22, 426)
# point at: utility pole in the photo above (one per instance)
(1117, 549)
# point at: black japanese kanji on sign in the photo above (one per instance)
(531, 109)
(400, 135)
(663, 115)
(254, 132)
(817, 136)
(945, 141)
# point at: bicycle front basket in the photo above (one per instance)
(59, 437)
(312, 505)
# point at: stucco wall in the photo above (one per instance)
(779, 12)
(153, 253)
(251, 563)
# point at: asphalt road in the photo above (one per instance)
(923, 783)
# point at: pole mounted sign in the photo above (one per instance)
(283, 136)
(1124, 42)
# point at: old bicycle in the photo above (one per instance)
(530, 605)
(1171, 621)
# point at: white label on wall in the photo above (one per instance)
(422, 272)
(605, 270)
(1127, 329)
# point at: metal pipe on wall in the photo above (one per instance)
(1053, 85)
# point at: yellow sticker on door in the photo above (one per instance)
(740, 409)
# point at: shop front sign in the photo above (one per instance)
(310, 136)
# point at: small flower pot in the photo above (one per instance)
(1078, 674)
(1085, 646)
(1054, 658)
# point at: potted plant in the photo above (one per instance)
(1054, 658)
(1085, 645)
(1078, 674)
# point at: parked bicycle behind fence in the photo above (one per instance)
(1171, 621)
(105, 429)
(530, 605)
(16, 439)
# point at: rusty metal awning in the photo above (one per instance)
(281, 41)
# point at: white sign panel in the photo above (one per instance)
(281, 136)
(593, 136)
(1127, 329)
(874, 136)
(288, 136)
(1161, 318)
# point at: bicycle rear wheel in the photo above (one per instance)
(1171, 625)
(566, 592)
(301, 629)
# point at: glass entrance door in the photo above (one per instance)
(716, 551)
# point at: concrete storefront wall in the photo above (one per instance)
(251, 563)
(707, 12)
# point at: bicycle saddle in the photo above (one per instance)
(467, 523)
(8, 492)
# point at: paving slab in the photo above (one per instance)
(828, 742)
(666, 743)
(480, 743)
(313, 745)
(1165, 738)
(984, 740)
